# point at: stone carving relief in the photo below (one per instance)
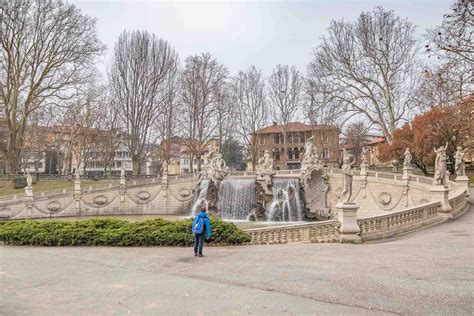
(53, 206)
(385, 198)
(143, 195)
(316, 189)
(100, 200)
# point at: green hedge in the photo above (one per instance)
(113, 232)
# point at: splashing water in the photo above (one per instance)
(237, 197)
(286, 204)
(201, 198)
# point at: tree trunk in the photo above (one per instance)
(135, 165)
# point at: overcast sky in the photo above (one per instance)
(240, 34)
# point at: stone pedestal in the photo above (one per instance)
(407, 171)
(349, 230)
(164, 179)
(29, 200)
(463, 182)
(77, 195)
(442, 193)
(363, 169)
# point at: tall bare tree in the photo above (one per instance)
(453, 39)
(46, 48)
(225, 113)
(451, 49)
(250, 98)
(167, 124)
(285, 90)
(140, 68)
(371, 67)
(201, 80)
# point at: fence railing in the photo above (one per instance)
(325, 231)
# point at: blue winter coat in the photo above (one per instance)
(207, 223)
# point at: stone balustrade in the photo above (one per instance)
(399, 222)
(325, 231)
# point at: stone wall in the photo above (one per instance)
(173, 197)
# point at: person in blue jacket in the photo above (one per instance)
(201, 227)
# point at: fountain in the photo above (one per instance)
(266, 197)
(237, 197)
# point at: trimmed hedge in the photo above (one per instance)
(114, 232)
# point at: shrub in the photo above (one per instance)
(114, 232)
(19, 182)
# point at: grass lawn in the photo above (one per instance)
(6, 186)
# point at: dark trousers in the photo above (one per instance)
(198, 242)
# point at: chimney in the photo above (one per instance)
(274, 123)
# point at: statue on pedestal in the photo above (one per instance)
(164, 167)
(347, 175)
(29, 179)
(265, 164)
(440, 165)
(310, 152)
(459, 164)
(363, 156)
(407, 158)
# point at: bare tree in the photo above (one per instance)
(285, 90)
(355, 134)
(453, 39)
(320, 105)
(46, 48)
(201, 80)
(225, 113)
(140, 67)
(167, 124)
(370, 66)
(76, 127)
(250, 99)
(451, 48)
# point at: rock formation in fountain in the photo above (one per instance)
(265, 174)
(315, 184)
(286, 205)
(212, 177)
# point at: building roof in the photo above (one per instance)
(378, 140)
(294, 127)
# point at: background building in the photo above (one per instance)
(288, 154)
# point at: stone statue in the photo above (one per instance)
(407, 159)
(122, 172)
(459, 164)
(363, 156)
(77, 176)
(440, 165)
(265, 163)
(29, 179)
(164, 167)
(217, 169)
(310, 152)
(348, 162)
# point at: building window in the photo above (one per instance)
(276, 154)
(325, 153)
(290, 154)
(276, 138)
(296, 138)
(289, 138)
(261, 139)
(302, 139)
(296, 153)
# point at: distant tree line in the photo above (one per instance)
(368, 72)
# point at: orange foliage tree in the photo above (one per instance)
(440, 125)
